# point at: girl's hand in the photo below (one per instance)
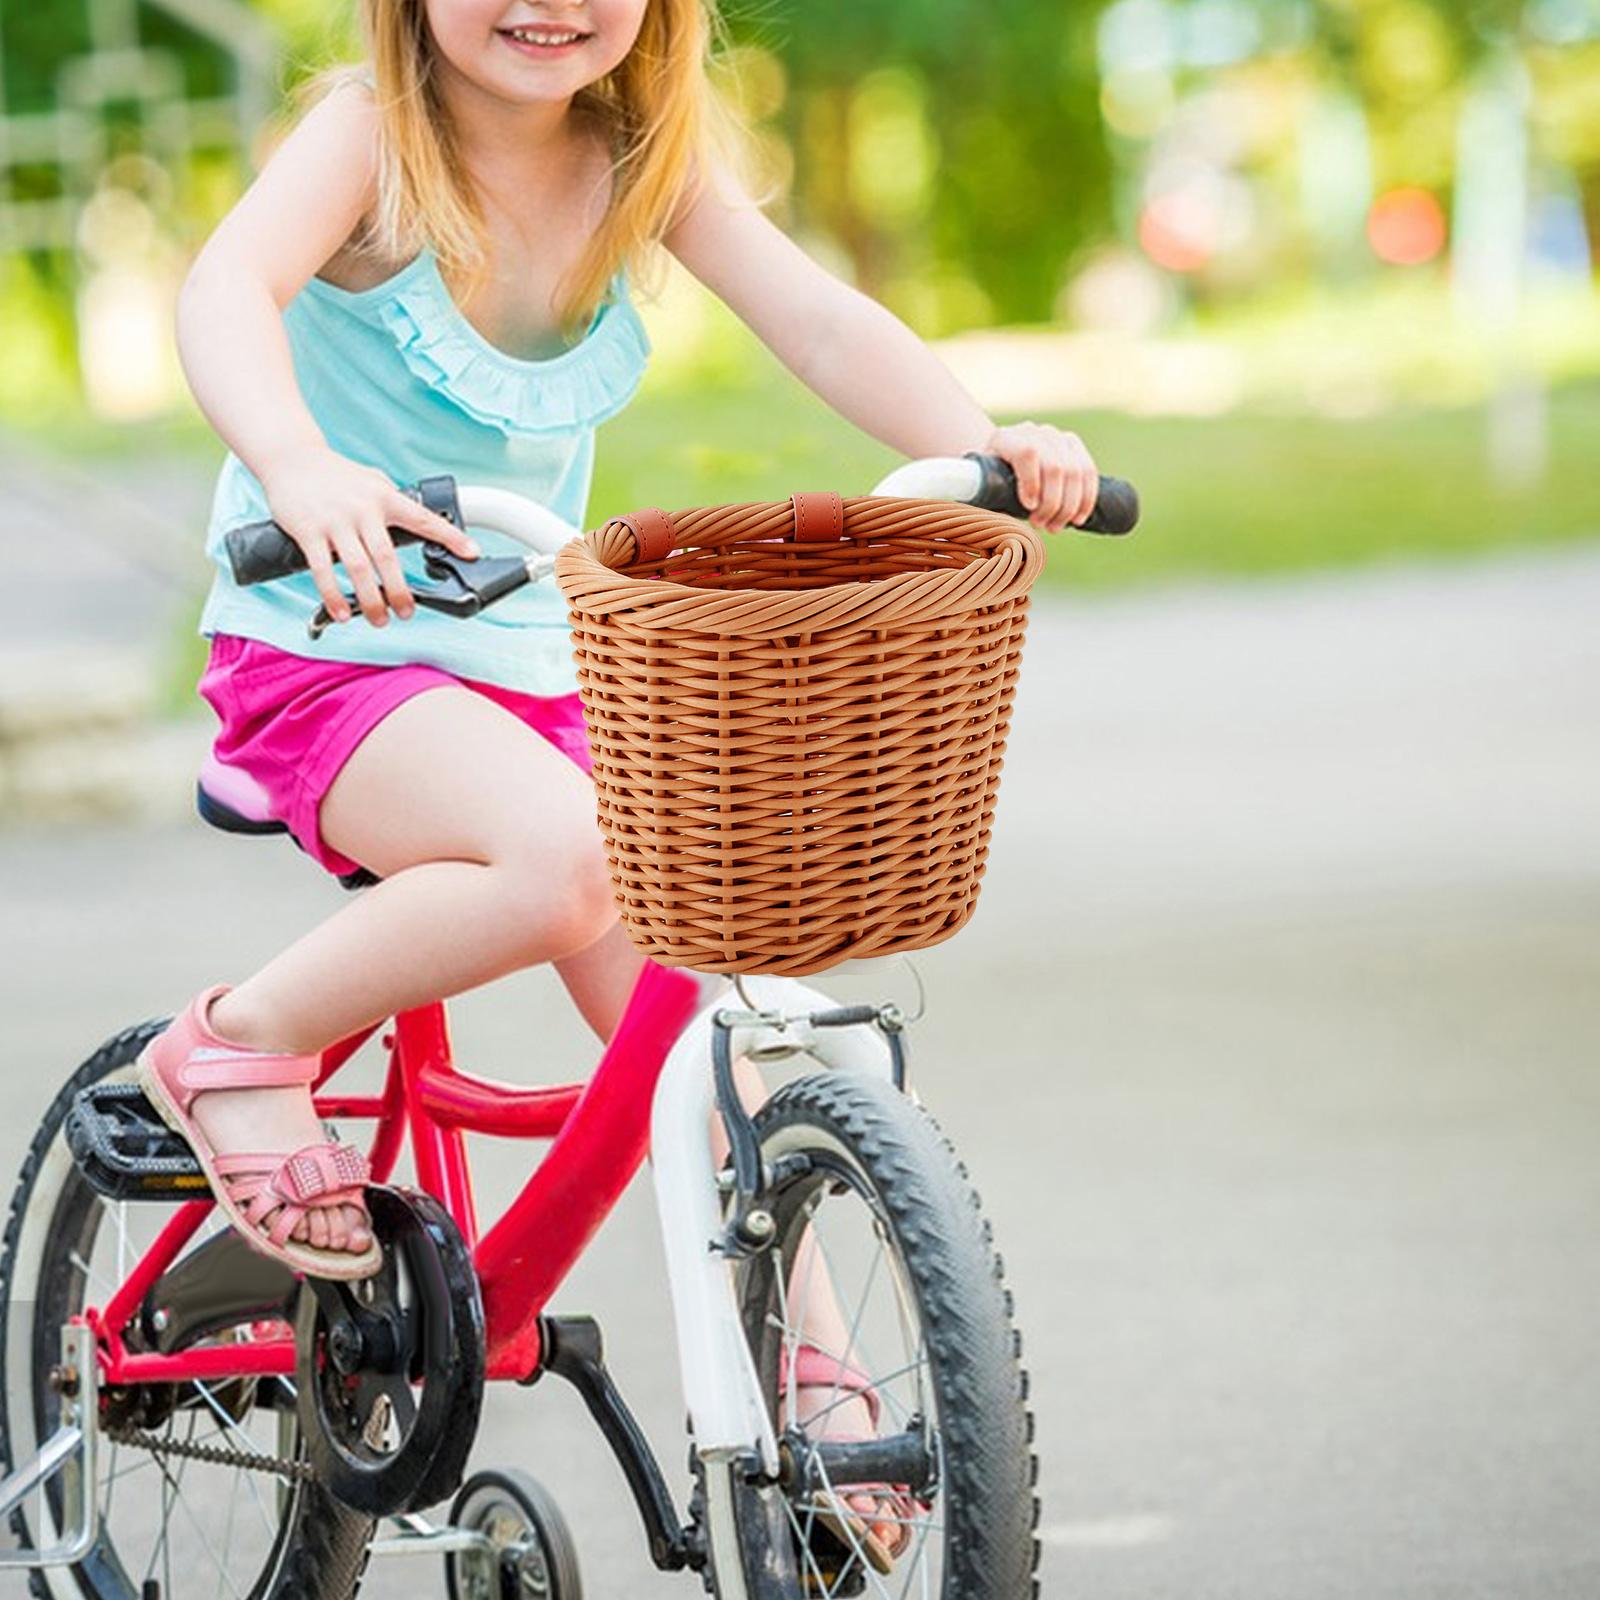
(336, 509)
(1056, 477)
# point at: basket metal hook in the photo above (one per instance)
(916, 975)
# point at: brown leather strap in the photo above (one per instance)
(818, 517)
(652, 532)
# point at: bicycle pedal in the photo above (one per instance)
(126, 1151)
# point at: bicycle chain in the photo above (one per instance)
(218, 1455)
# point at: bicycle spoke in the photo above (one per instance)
(789, 1345)
(174, 1480)
(91, 1275)
(227, 1535)
(917, 1564)
(867, 1518)
(142, 1464)
(234, 1430)
(791, 1316)
(814, 1245)
(906, 1312)
(110, 1482)
(792, 1343)
(120, 1216)
(920, 1360)
(120, 1244)
(803, 1538)
(159, 1549)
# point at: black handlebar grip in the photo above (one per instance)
(261, 551)
(1116, 507)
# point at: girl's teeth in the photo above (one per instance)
(544, 38)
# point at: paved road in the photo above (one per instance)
(1272, 1047)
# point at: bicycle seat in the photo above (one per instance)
(230, 799)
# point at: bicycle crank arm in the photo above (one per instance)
(573, 1348)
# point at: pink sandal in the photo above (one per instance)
(815, 1368)
(263, 1195)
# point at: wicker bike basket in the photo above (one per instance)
(797, 711)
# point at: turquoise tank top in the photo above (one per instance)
(397, 378)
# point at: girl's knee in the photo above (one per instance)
(556, 905)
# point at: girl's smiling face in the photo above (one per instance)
(533, 50)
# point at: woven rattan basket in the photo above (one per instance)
(797, 712)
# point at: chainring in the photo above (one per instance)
(390, 1369)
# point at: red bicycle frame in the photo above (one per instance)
(599, 1134)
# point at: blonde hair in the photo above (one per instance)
(658, 109)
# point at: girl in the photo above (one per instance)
(431, 274)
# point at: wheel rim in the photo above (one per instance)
(530, 1546)
(832, 1221)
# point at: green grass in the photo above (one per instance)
(1244, 493)
(1237, 494)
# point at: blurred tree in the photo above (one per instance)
(995, 111)
(1411, 61)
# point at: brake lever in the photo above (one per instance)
(466, 586)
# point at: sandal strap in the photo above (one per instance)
(326, 1174)
(312, 1178)
(814, 1367)
(286, 1221)
(321, 1173)
(208, 1067)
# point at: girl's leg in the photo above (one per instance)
(601, 978)
(484, 836)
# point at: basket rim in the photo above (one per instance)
(999, 575)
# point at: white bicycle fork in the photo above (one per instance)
(719, 1379)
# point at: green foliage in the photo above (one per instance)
(37, 39)
(38, 358)
(1007, 98)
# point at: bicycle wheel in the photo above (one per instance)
(173, 1523)
(866, 1190)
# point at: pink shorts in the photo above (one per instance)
(292, 723)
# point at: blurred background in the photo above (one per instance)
(1291, 1140)
(1271, 260)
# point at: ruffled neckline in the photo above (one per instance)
(575, 388)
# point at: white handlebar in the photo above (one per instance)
(516, 516)
(529, 523)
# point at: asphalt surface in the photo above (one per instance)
(1272, 1048)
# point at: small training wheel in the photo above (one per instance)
(534, 1556)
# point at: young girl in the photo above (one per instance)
(431, 275)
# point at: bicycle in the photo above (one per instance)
(158, 1374)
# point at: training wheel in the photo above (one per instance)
(535, 1558)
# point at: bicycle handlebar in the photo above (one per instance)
(1116, 506)
(262, 551)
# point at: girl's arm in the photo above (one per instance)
(306, 203)
(861, 358)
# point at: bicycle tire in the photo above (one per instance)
(320, 1548)
(556, 1574)
(944, 1245)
